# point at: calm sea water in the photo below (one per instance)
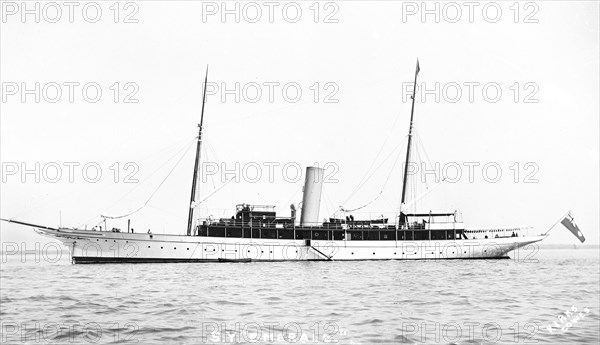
(434, 302)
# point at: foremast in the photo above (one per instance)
(410, 130)
(197, 161)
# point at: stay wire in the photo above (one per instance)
(155, 191)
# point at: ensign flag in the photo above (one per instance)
(569, 223)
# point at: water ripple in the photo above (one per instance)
(370, 302)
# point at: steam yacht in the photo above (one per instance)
(258, 233)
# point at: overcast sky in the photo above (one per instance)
(511, 88)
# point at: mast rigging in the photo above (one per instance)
(410, 130)
(192, 205)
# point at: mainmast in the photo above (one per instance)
(412, 113)
(197, 161)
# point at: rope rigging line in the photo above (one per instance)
(196, 204)
(423, 148)
(293, 197)
(384, 184)
(422, 195)
(420, 152)
(155, 191)
(39, 204)
(413, 189)
(212, 178)
(423, 152)
(362, 180)
(147, 178)
(327, 201)
(185, 147)
(375, 170)
(209, 152)
(419, 163)
(211, 148)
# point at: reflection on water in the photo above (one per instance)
(456, 301)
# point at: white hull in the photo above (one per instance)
(103, 247)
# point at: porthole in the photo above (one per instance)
(352, 253)
(373, 253)
(188, 249)
(174, 247)
(148, 246)
(161, 247)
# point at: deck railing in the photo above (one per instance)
(287, 223)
